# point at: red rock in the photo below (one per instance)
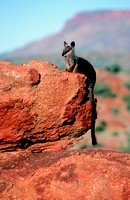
(92, 174)
(34, 76)
(56, 107)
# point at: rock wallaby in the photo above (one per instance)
(80, 65)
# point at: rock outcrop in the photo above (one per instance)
(39, 105)
(76, 175)
(43, 108)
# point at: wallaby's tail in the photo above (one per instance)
(94, 115)
(94, 140)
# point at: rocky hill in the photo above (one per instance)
(100, 36)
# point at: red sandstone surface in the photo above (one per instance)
(65, 175)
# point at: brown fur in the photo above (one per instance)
(80, 65)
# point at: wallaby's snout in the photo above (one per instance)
(63, 54)
(66, 50)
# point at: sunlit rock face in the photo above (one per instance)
(40, 105)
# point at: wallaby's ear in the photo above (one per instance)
(72, 44)
(65, 44)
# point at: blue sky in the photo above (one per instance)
(24, 21)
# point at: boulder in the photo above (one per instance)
(40, 105)
(77, 175)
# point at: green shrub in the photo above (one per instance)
(128, 106)
(103, 90)
(84, 146)
(125, 149)
(101, 127)
(115, 69)
(98, 145)
(126, 98)
(115, 110)
(128, 139)
(115, 133)
(127, 84)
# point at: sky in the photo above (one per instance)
(25, 21)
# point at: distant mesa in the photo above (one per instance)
(104, 34)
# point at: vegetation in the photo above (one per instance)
(115, 69)
(101, 127)
(128, 106)
(84, 146)
(115, 110)
(115, 133)
(126, 149)
(103, 90)
(126, 98)
(127, 84)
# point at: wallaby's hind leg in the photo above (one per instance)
(94, 114)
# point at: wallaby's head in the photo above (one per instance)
(69, 51)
